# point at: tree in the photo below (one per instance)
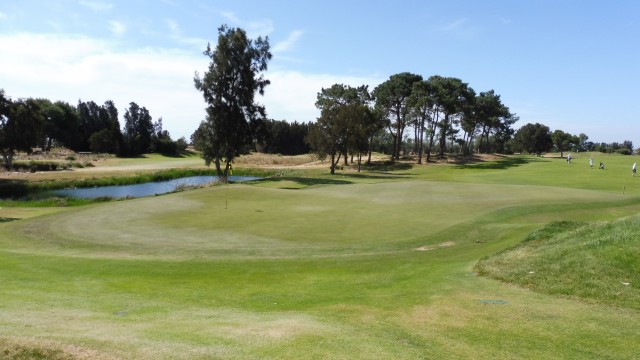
(452, 97)
(229, 87)
(583, 144)
(392, 100)
(491, 115)
(563, 141)
(344, 123)
(61, 125)
(20, 124)
(422, 103)
(93, 118)
(138, 130)
(282, 137)
(533, 138)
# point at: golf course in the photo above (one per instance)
(501, 257)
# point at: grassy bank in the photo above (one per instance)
(594, 262)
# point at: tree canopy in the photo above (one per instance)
(392, 100)
(345, 124)
(533, 138)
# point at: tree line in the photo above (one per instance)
(28, 124)
(352, 119)
(437, 109)
(538, 138)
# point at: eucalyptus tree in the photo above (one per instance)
(452, 97)
(228, 87)
(392, 100)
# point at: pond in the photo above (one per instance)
(143, 190)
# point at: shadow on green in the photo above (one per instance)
(504, 162)
(304, 181)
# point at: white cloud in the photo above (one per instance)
(460, 29)
(3, 15)
(289, 42)
(89, 69)
(176, 34)
(173, 26)
(253, 28)
(454, 26)
(96, 5)
(78, 67)
(292, 95)
(117, 28)
(231, 16)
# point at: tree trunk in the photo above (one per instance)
(398, 142)
(359, 160)
(333, 164)
(8, 159)
(443, 135)
(222, 174)
(421, 139)
(395, 137)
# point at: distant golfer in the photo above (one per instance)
(569, 158)
(591, 163)
(633, 170)
(601, 165)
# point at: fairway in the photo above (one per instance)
(374, 267)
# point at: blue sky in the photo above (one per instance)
(571, 65)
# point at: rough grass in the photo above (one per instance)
(372, 265)
(593, 262)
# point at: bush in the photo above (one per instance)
(624, 151)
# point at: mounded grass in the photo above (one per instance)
(596, 262)
(378, 264)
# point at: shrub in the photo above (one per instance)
(624, 151)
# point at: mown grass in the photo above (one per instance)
(372, 265)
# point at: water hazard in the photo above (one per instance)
(143, 190)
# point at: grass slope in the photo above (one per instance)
(372, 265)
(594, 262)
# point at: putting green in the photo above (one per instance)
(249, 221)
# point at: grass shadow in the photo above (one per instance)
(385, 166)
(503, 162)
(376, 175)
(303, 181)
(180, 155)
